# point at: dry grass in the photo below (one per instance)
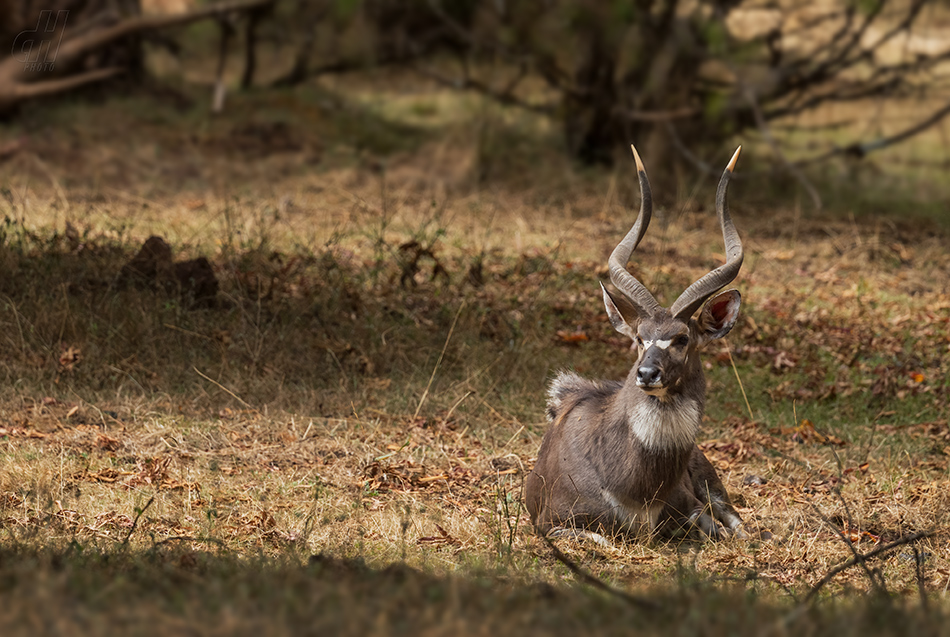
(339, 401)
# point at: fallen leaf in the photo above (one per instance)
(70, 357)
(578, 336)
(107, 443)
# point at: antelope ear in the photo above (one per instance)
(719, 314)
(617, 319)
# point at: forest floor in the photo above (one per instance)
(338, 441)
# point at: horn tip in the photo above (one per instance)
(735, 158)
(636, 157)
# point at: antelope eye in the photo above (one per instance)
(681, 341)
(639, 341)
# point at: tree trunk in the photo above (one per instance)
(591, 128)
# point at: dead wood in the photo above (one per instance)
(18, 79)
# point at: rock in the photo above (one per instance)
(193, 281)
(196, 281)
(152, 262)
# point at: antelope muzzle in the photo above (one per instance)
(652, 375)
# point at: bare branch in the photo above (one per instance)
(844, 51)
(21, 91)
(589, 579)
(504, 96)
(861, 558)
(841, 93)
(13, 73)
(687, 154)
(875, 578)
(904, 25)
(860, 150)
(545, 64)
(76, 47)
(773, 143)
(851, 43)
(135, 522)
(687, 112)
(809, 25)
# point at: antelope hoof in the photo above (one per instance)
(707, 526)
(735, 530)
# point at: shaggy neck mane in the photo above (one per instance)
(665, 425)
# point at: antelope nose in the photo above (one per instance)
(647, 375)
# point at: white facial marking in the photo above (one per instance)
(661, 344)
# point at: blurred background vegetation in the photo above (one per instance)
(808, 81)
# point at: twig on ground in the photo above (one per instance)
(135, 522)
(875, 578)
(864, 557)
(188, 538)
(739, 380)
(225, 389)
(438, 362)
(754, 576)
(597, 583)
(837, 489)
(921, 581)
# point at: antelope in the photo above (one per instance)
(620, 457)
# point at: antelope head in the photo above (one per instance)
(668, 341)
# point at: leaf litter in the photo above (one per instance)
(863, 329)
